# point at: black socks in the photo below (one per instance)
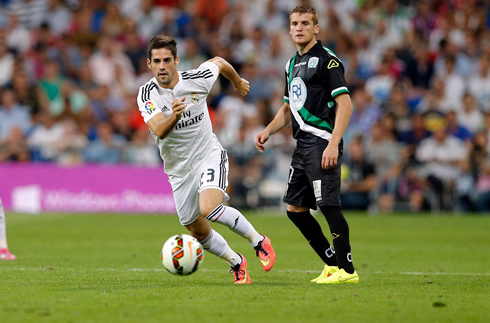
(340, 235)
(312, 231)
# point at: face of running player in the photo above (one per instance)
(302, 28)
(164, 66)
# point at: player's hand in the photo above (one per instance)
(243, 87)
(330, 156)
(178, 106)
(260, 139)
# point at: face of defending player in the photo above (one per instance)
(302, 29)
(164, 67)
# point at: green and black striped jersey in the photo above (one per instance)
(313, 80)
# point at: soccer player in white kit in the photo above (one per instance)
(173, 105)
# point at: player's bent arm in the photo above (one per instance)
(241, 85)
(344, 112)
(282, 119)
(162, 126)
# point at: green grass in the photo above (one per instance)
(106, 268)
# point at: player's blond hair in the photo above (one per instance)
(305, 8)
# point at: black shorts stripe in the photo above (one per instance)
(222, 173)
(223, 165)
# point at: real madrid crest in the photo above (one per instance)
(194, 98)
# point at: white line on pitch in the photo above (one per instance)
(278, 270)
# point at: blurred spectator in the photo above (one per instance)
(31, 13)
(12, 115)
(479, 84)
(26, 93)
(15, 147)
(470, 116)
(44, 137)
(150, 20)
(358, 178)
(71, 143)
(454, 86)
(58, 17)
(245, 166)
(384, 152)
(50, 87)
(441, 155)
(379, 86)
(106, 148)
(365, 113)
(18, 36)
(232, 109)
(141, 149)
(455, 129)
(6, 65)
(113, 22)
(109, 62)
(417, 133)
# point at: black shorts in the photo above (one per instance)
(308, 184)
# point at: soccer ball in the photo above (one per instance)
(182, 254)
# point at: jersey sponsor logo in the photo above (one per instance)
(165, 108)
(298, 94)
(300, 64)
(313, 62)
(333, 63)
(190, 121)
(150, 107)
(194, 98)
(317, 189)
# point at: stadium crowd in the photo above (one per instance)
(418, 73)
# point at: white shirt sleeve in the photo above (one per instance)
(206, 74)
(147, 103)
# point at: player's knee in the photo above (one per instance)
(297, 208)
(210, 208)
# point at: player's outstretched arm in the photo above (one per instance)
(162, 126)
(241, 85)
(344, 111)
(282, 119)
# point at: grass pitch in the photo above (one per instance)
(106, 268)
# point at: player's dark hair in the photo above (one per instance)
(304, 8)
(162, 41)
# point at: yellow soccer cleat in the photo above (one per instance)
(340, 277)
(327, 271)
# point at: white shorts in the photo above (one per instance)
(211, 173)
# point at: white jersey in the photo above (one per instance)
(192, 139)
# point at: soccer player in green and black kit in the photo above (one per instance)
(318, 100)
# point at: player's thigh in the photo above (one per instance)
(186, 197)
(299, 191)
(209, 199)
(325, 182)
(213, 181)
(213, 173)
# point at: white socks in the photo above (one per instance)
(217, 245)
(236, 222)
(3, 228)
